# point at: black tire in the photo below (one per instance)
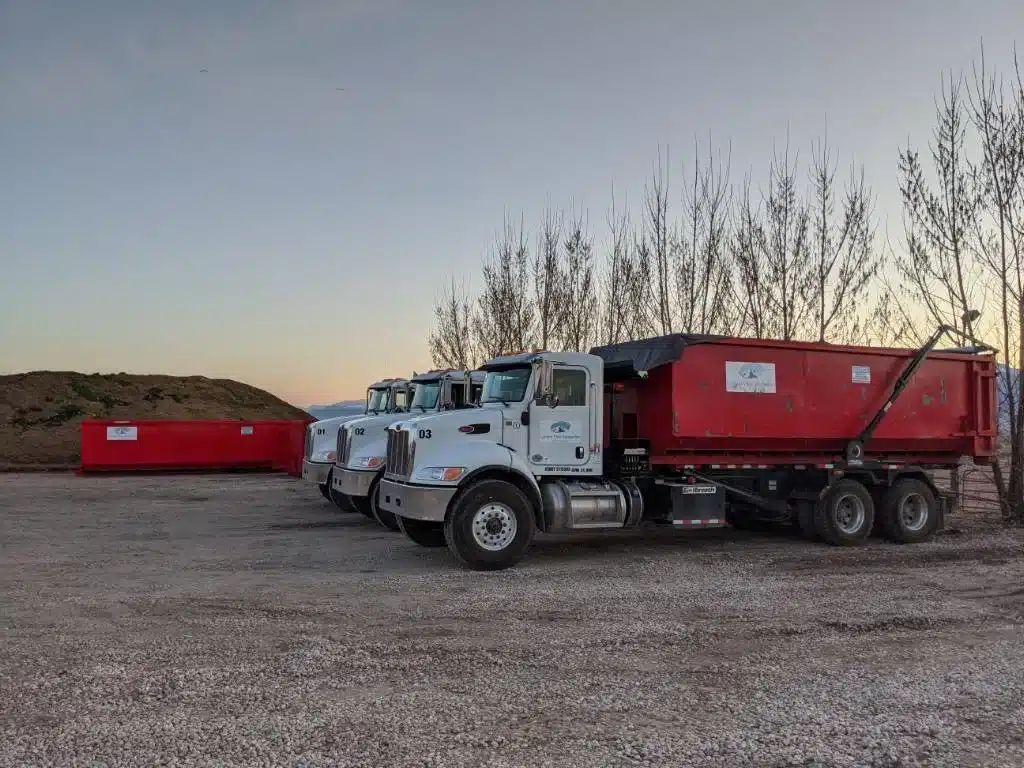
(845, 515)
(423, 532)
(507, 503)
(898, 520)
(805, 522)
(361, 505)
(382, 516)
(325, 490)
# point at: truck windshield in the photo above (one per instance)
(426, 394)
(399, 399)
(376, 400)
(506, 386)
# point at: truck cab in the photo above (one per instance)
(535, 443)
(361, 451)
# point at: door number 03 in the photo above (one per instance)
(423, 434)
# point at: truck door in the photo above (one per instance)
(560, 436)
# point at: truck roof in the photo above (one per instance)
(520, 359)
(439, 373)
(385, 383)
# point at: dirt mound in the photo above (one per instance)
(40, 412)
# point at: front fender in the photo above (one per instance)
(504, 461)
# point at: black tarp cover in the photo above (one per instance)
(628, 358)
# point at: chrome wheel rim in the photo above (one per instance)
(913, 512)
(494, 526)
(850, 513)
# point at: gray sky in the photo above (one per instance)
(255, 222)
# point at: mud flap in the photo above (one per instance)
(698, 505)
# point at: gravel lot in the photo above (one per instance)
(240, 621)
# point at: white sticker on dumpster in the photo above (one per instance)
(750, 377)
(861, 374)
(247, 430)
(122, 433)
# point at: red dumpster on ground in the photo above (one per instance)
(119, 446)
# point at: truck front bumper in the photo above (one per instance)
(315, 471)
(417, 502)
(353, 482)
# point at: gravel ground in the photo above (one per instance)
(240, 621)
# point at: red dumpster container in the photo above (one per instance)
(150, 445)
(710, 400)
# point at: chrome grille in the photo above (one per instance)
(341, 452)
(309, 442)
(399, 460)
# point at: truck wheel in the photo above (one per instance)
(489, 525)
(423, 532)
(845, 515)
(382, 516)
(910, 512)
(325, 490)
(361, 504)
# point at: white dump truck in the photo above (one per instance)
(695, 431)
(322, 441)
(362, 443)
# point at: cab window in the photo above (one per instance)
(400, 399)
(570, 386)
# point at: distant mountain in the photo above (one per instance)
(349, 408)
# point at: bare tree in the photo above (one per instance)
(937, 266)
(749, 247)
(999, 122)
(844, 265)
(451, 341)
(788, 253)
(654, 246)
(579, 294)
(703, 279)
(505, 309)
(548, 278)
(773, 257)
(625, 288)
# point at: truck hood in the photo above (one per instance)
(442, 440)
(324, 434)
(446, 424)
(367, 437)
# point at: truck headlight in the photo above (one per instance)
(324, 456)
(440, 474)
(368, 462)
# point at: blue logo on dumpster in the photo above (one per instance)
(750, 371)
